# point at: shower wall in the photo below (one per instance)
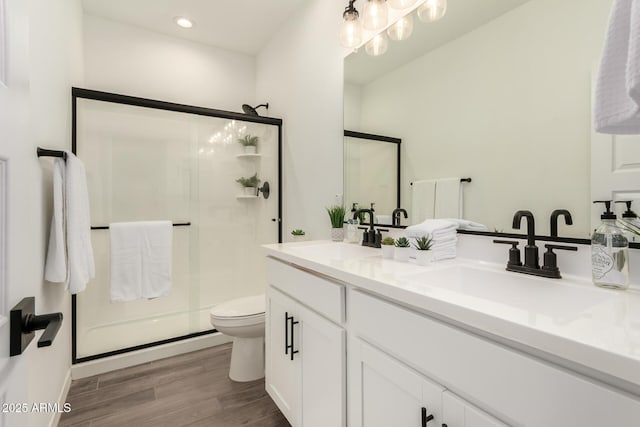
(153, 164)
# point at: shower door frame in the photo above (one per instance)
(179, 108)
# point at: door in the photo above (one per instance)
(282, 371)
(14, 99)
(392, 394)
(322, 354)
(458, 413)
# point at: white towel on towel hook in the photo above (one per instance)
(140, 259)
(55, 269)
(448, 198)
(423, 198)
(617, 95)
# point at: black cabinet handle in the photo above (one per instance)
(286, 332)
(292, 324)
(426, 418)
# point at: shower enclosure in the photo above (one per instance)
(151, 160)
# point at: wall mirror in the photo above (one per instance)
(497, 90)
(372, 173)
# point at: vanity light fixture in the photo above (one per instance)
(375, 15)
(401, 4)
(351, 30)
(377, 45)
(432, 10)
(402, 29)
(183, 22)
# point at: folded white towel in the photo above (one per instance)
(444, 253)
(140, 259)
(437, 245)
(436, 228)
(448, 198)
(80, 264)
(423, 198)
(55, 269)
(464, 224)
(617, 95)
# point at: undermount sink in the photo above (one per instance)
(557, 299)
(335, 251)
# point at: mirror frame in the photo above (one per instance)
(381, 138)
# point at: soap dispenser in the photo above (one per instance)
(609, 252)
(630, 222)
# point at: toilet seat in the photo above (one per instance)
(240, 308)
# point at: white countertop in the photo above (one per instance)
(595, 330)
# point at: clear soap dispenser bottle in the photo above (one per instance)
(609, 252)
(630, 222)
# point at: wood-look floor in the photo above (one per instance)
(193, 389)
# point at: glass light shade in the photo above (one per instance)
(351, 31)
(401, 4)
(375, 15)
(377, 45)
(402, 29)
(432, 10)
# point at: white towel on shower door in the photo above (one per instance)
(423, 197)
(140, 259)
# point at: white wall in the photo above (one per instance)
(507, 104)
(128, 60)
(299, 72)
(45, 42)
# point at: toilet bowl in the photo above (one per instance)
(243, 319)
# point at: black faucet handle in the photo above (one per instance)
(551, 248)
(514, 252)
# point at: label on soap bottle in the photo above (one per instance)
(601, 262)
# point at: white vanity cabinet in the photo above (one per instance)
(305, 348)
(459, 413)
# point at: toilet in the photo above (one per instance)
(243, 319)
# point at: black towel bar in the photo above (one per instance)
(461, 180)
(44, 152)
(178, 224)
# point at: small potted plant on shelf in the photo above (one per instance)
(298, 235)
(423, 254)
(250, 144)
(388, 245)
(250, 185)
(402, 249)
(336, 215)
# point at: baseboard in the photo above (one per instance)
(100, 366)
(61, 400)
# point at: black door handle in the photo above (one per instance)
(426, 418)
(24, 322)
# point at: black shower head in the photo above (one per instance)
(248, 109)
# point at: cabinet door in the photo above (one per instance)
(391, 394)
(282, 375)
(322, 353)
(458, 413)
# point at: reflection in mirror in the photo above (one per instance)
(371, 173)
(499, 90)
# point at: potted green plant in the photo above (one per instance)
(250, 144)
(250, 185)
(336, 215)
(388, 244)
(423, 254)
(402, 249)
(298, 234)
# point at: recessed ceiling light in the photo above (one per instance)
(183, 22)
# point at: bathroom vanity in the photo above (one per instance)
(354, 339)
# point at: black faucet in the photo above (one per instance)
(370, 237)
(554, 220)
(531, 265)
(395, 216)
(531, 250)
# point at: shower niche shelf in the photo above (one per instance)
(248, 155)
